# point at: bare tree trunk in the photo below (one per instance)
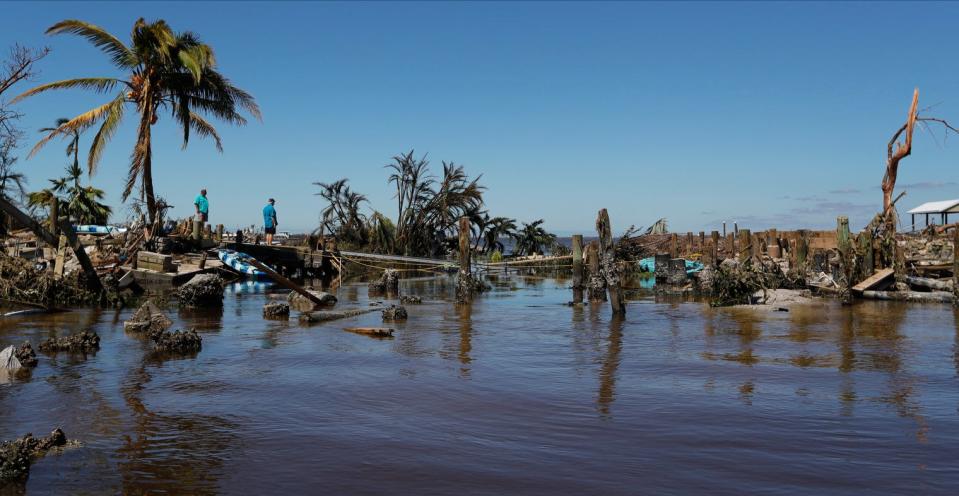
(901, 151)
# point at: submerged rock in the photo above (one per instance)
(389, 282)
(17, 455)
(304, 304)
(203, 289)
(394, 313)
(410, 300)
(26, 355)
(276, 310)
(8, 359)
(82, 342)
(177, 341)
(148, 318)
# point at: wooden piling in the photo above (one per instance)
(868, 258)
(673, 245)
(702, 242)
(577, 268)
(844, 245)
(54, 215)
(714, 249)
(609, 268)
(802, 251)
(596, 288)
(744, 247)
(464, 235)
(219, 233)
(730, 248)
(196, 228)
(689, 243)
(955, 266)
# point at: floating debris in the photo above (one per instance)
(82, 342)
(376, 332)
(394, 313)
(326, 315)
(16, 456)
(276, 310)
(202, 289)
(411, 300)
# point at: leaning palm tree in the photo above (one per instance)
(166, 71)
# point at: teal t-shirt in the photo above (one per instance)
(202, 203)
(269, 213)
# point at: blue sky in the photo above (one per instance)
(769, 114)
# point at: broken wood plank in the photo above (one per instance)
(61, 258)
(282, 281)
(327, 315)
(376, 332)
(873, 280)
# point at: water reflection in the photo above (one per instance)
(464, 317)
(607, 373)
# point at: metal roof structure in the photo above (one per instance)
(937, 207)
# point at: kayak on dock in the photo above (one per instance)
(238, 261)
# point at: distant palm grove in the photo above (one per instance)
(428, 209)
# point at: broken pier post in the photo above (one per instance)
(608, 266)
(596, 288)
(577, 268)
(465, 283)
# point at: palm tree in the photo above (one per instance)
(11, 183)
(499, 227)
(532, 238)
(342, 216)
(167, 71)
(81, 204)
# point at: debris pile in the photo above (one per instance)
(389, 282)
(148, 318)
(82, 342)
(17, 455)
(394, 313)
(276, 310)
(24, 282)
(176, 342)
(411, 300)
(201, 290)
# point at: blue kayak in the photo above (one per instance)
(648, 264)
(238, 261)
(93, 229)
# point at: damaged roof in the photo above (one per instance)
(937, 207)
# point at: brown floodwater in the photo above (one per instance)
(517, 393)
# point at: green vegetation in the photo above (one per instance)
(428, 210)
(166, 71)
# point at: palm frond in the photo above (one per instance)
(100, 85)
(109, 44)
(77, 124)
(110, 124)
(204, 129)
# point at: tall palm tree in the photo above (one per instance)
(166, 71)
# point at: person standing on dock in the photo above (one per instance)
(269, 221)
(202, 207)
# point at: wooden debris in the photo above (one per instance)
(327, 315)
(378, 332)
(933, 297)
(874, 280)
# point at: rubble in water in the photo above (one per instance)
(394, 313)
(148, 318)
(21, 281)
(201, 290)
(82, 342)
(389, 282)
(17, 455)
(177, 341)
(276, 310)
(303, 304)
(26, 355)
(411, 300)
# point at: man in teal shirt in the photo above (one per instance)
(202, 207)
(269, 221)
